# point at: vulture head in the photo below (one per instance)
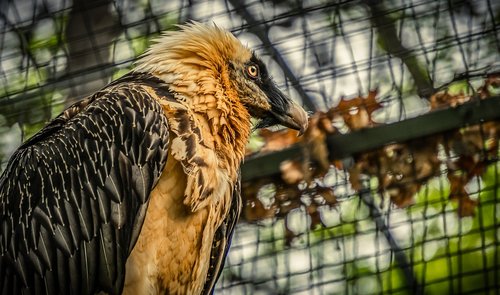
(212, 71)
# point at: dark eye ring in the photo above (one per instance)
(253, 71)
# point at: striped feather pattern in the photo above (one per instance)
(73, 198)
(222, 240)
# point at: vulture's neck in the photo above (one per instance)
(216, 108)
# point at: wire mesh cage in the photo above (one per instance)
(395, 187)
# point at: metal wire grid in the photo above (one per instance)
(317, 51)
(330, 47)
(353, 256)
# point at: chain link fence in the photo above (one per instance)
(395, 187)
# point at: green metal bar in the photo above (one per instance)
(346, 145)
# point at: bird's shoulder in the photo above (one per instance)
(134, 86)
(80, 187)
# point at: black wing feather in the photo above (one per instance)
(73, 197)
(222, 241)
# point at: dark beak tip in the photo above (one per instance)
(301, 127)
(302, 130)
(300, 118)
(293, 117)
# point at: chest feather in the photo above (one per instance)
(173, 249)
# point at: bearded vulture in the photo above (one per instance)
(135, 189)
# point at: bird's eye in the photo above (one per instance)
(253, 71)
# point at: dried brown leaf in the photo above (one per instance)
(492, 81)
(357, 112)
(444, 99)
(313, 212)
(278, 140)
(292, 172)
(287, 192)
(466, 207)
(327, 194)
(320, 125)
(458, 181)
(255, 211)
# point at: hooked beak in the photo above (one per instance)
(295, 117)
(283, 110)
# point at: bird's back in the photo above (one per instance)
(73, 197)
